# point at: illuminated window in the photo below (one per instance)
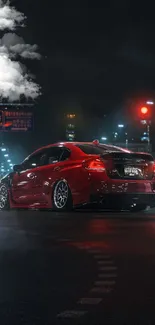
(71, 116)
(71, 126)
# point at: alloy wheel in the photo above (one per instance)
(3, 196)
(60, 194)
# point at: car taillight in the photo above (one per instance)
(95, 164)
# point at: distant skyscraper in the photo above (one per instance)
(70, 127)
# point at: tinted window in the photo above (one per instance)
(35, 160)
(65, 154)
(53, 155)
(96, 150)
(46, 156)
(56, 154)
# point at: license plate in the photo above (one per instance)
(131, 171)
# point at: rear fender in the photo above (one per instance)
(79, 184)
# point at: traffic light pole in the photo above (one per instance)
(145, 114)
(148, 134)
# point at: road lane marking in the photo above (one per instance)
(105, 262)
(89, 301)
(108, 268)
(105, 282)
(100, 257)
(72, 314)
(101, 290)
(107, 275)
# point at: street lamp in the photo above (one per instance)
(120, 125)
(104, 138)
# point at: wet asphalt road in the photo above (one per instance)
(85, 267)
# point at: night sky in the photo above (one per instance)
(95, 60)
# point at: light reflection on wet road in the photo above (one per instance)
(88, 267)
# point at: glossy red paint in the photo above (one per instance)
(85, 174)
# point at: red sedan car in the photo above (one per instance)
(66, 175)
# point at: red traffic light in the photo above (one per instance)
(141, 111)
(144, 110)
(145, 113)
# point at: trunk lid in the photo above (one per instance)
(129, 165)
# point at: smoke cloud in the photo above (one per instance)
(14, 78)
(10, 17)
(15, 45)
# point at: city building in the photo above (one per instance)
(70, 127)
(6, 164)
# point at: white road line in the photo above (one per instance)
(101, 290)
(72, 314)
(102, 257)
(103, 283)
(107, 275)
(105, 262)
(89, 301)
(108, 268)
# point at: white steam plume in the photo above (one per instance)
(14, 79)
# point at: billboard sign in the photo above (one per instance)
(16, 121)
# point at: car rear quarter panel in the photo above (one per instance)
(78, 180)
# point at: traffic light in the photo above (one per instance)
(145, 113)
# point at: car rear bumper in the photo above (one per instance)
(124, 199)
(122, 191)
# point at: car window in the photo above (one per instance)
(45, 157)
(90, 149)
(35, 160)
(56, 154)
(65, 154)
(96, 150)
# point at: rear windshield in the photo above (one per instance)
(97, 150)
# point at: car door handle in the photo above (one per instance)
(31, 175)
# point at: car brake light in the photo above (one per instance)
(95, 164)
(154, 168)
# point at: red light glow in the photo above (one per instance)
(144, 110)
(96, 165)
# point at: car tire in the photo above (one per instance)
(138, 208)
(62, 197)
(4, 197)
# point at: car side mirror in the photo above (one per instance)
(17, 168)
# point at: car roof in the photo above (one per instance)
(76, 152)
(74, 145)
